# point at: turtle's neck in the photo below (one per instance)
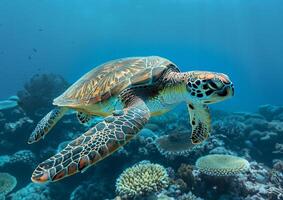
(175, 90)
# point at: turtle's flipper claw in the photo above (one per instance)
(46, 124)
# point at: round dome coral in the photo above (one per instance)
(221, 165)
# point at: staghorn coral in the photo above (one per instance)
(7, 183)
(142, 179)
(221, 165)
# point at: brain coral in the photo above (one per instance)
(7, 183)
(221, 165)
(142, 179)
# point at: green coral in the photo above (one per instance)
(7, 183)
(142, 179)
(221, 165)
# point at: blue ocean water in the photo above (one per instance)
(62, 40)
(240, 38)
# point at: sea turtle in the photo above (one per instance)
(127, 92)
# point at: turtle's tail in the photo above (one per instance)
(46, 124)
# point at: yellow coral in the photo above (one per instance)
(141, 179)
(221, 165)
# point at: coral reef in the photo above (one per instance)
(142, 179)
(90, 190)
(221, 165)
(12, 102)
(189, 196)
(254, 184)
(32, 192)
(176, 144)
(256, 137)
(22, 156)
(13, 126)
(34, 99)
(7, 184)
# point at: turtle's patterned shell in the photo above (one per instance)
(111, 78)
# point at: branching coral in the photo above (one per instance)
(255, 183)
(221, 165)
(142, 179)
(7, 183)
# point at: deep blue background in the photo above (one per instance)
(241, 38)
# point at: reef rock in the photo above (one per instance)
(38, 93)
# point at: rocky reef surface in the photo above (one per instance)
(169, 167)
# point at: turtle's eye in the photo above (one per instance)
(215, 84)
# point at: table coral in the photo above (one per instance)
(221, 165)
(7, 183)
(176, 144)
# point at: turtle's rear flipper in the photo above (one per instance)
(97, 143)
(200, 121)
(46, 124)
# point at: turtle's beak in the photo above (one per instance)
(227, 91)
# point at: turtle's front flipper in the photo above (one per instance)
(200, 121)
(46, 124)
(83, 117)
(95, 144)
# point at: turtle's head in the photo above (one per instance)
(209, 87)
